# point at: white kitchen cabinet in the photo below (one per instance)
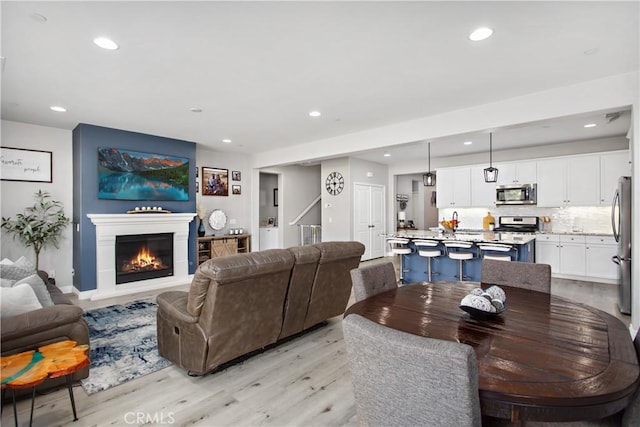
(612, 166)
(548, 251)
(569, 181)
(583, 180)
(517, 173)
(599, 250)
(483, 194)
(572, 255)
(453, 187)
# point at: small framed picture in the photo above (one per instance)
(215, 181)
(271, 221)
(235, 189)
(236, 176)
(275, 197)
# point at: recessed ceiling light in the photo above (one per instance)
(58, 109)
(591, 51)
(195, 110)
(106, 43)
(480, 34)
(387, 154)
(590, 125)
(226, 141)
(315, 113)
(468, 142)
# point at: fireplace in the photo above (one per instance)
(143, 257)
(111, 226)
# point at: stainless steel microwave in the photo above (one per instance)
(520, 194)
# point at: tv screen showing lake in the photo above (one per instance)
(132, 175)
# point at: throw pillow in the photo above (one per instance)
(6, 261)
(17, 300)
(39, 288)
(13, 273)
(6, 283)
(24, 263)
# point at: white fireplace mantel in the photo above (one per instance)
(108, 226)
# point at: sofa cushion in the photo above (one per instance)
(17, 300)
(39, 288)
(24, 264)
(7, 283)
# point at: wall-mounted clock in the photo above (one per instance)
(334, 183)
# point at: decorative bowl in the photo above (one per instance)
(478, 314)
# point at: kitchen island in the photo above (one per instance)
(415, 266)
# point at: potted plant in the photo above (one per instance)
(41, 225)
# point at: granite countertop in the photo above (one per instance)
(470, 236)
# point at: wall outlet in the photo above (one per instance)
(52, 274)
(232, 221)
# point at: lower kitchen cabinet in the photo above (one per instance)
(578, 257)
(599, 250)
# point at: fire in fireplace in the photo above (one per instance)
(143, 257)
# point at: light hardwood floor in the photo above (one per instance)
(304, 382)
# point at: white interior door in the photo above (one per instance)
(369, 208)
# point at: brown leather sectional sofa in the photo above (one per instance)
(241, 303)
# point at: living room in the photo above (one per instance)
(301, 159)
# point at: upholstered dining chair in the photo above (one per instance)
(400, 379)
(372, 279)
(526, 275)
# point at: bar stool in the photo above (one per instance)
(492, 251)
(426, 249)
(459, 254)
(399, 246)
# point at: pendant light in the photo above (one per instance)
(490, 173)
(429, 179)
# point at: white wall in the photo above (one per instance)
(16, 196)
(337, 221)
(237, 207)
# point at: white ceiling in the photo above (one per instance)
(257, 68)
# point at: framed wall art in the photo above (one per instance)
(275, 197)
(235, 189)
(236, 176)
(20, 164)
(215, 182)
(134, 175)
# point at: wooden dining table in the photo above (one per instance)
(545, 358)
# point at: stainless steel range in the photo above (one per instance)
(518, 224)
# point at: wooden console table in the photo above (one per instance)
(208, 247)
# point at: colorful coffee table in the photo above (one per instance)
(30, 368)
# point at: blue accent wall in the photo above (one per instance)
(86, 141)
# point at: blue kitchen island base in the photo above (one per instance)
(444, 268)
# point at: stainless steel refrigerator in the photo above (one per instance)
(621, 223)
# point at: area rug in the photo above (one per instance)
(123, 344)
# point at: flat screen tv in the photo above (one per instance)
(132, 175)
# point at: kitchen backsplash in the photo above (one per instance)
(563, 220)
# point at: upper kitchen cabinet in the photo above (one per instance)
(453, 187)
(517, 173)
(483, 194)
(612, 166)
(569, 181)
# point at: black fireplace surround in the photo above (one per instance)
(143, 257)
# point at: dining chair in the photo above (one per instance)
(526, 275)
(400, 379)
(372, 279)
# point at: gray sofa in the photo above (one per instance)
(241, 303)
